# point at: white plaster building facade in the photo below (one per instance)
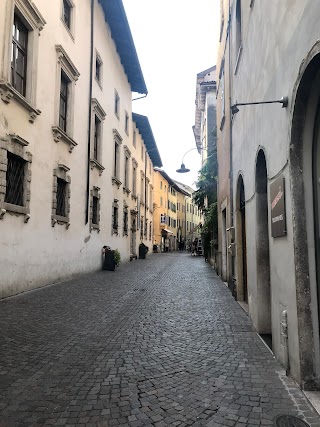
(269, 51)
(70, 150)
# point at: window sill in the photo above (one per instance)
(95, 227)
(14, 209)
(115, 231)
(134, 196)
(95, 164)
(59, 134)
(61, 220)
(126, 190)
(116, 181)
(7, 92)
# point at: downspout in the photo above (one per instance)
(90, 113)
(231, 270)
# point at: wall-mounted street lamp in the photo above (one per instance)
(283, 101)
(183, 168)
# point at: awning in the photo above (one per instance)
(168, 231)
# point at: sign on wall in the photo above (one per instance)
(278, 208)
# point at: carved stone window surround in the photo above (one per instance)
(34, 22)
(72, 23)
(97, 111)
(117, 143)
(16, 145)
(61, 172)
(65, 64)
(115, 222)
(95, 192)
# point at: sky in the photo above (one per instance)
(175, 40)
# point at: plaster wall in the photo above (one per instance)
(286, 31)
(35, 253)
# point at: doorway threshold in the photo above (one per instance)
(244, 305)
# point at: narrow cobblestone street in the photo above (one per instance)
(160, 342)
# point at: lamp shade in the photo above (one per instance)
(183, 169)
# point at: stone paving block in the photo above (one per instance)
(161, 342)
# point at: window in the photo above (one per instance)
(161, 201)
(96, 141)
(125, 220)
(95, 209)
(15, 179)
(126, 123)
(141, 228)
(142, 178)
(15, 175)
(19, 56)
(115, 216)
(127, 155)
(142, 153)
(22, 22)
(61, 196)
(147, 192)
(98, 116)
(146, 228)
(67, 16)
(98, 69)
(67, 76)
(134, 178)
(116, 104)
(66, 13)
(160, 185)
(151, 198)
(150, 230)
(238, 43)
(63, 109)
(116, 158)
(134, 138)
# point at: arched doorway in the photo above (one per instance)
(262, 251)
(242, 286)
(305, 193)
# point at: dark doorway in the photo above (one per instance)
(242, 287)
(264, 327)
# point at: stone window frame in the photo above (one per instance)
(146, 228)
(126, 122)
(151, 198)
(150, 230)
(221, 89)
(65, 65)
(126, 171)
(16, 145)
(134, 178)
(115, 224)
(125, 219)
(238, 34)
(71, 29)
(96, 111)
(61, 172)
(34, 21)
(117, 141)
(142, 187)
(95, 192)
(100, 62)
(147, 184)
(134, 138)
(141, 227)
(117, 104)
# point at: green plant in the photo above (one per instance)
(117, 257)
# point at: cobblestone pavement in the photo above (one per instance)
(160, 342)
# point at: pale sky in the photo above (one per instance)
(175, 40)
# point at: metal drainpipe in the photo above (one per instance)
(89, 118)
(231, 270)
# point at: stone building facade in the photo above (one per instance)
(269, 172)
(72, 154)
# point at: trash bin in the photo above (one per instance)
(155, 249)
(109, 262)
(143, 249)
